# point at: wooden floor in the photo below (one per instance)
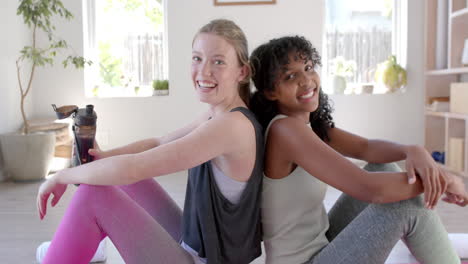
(21, 231)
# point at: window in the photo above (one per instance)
(359, 35)
(126, 40)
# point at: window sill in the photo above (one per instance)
(360, 89)
(125, 92)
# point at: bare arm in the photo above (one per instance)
(146, 144)
(418, 161)
(209, 140)
(456, 192)
(373, 151)
(307, 150)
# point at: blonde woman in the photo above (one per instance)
(223, 150)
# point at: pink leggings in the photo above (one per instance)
(142, 221)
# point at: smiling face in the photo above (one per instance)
(216, 71)
(297, 88)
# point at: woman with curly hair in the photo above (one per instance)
(304, 152)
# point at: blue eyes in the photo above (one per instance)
(215, 62)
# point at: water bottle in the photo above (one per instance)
(84, 130)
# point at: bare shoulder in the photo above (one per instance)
(185, 130)
(236, 122)
(288, 140)
(288, 128)
(294, 139)
(203, 116)
(200, 119)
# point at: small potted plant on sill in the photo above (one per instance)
(36, 149)
(160, 87)
(340, 70)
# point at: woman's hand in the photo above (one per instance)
(456, 192)
(96, 152)
(50, 186)
(419, 162)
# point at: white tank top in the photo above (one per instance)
(230, 188)
(294, 219)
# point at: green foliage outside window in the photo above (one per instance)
(138, 8)
(110, 67)
(111, 64)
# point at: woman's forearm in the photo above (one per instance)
(382, 151)
(135, 147)
(307, 150)
(389, 187)
(116, 170)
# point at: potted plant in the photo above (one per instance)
(27, 155)
(136, 89)
(390, 74)
(340, 69)
(160, 87)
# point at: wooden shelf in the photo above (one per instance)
(459, 13)
(436, 114)
(447, 114)
(446, 131)
(448, 71)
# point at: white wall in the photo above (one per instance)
(395, 117)
(14, 37)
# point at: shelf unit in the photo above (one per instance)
(462, 70)
(442, 128)
(447, 115)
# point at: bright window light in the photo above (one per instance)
(126, 40)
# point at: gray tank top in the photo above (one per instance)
(217, 229)
(231, 190)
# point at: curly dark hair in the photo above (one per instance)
(268, 60)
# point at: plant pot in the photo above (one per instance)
(368, 89)
(160, 92)
(339, 84)
(27, 157)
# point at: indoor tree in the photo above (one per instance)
(38, 15)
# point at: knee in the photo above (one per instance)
(416, 203)
(416, 213)
(410, 207)
(390, 167)
(87, 193)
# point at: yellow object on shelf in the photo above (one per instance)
(456, 154)
(459, 97)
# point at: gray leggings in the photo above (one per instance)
(366, 233)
